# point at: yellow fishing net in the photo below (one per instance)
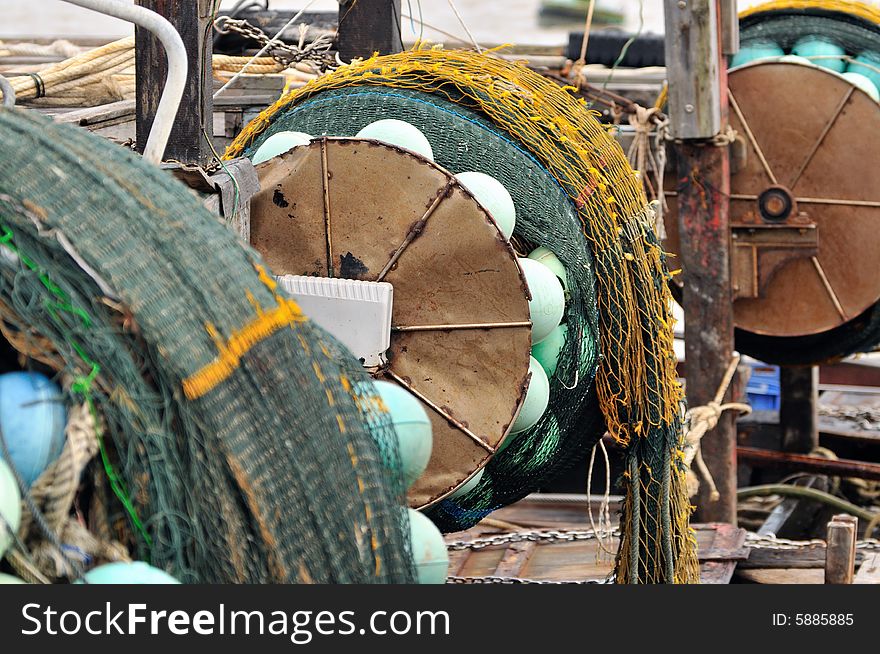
(858, 9)
(637, 386)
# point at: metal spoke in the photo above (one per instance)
(828, 289)
(461, 326)
(846, 203)
(476, 439)
(815, 148)
(416, 230)
(751, 137)
(325, 177)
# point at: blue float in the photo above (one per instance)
(821, 52)
(756, 51)
(33, 418)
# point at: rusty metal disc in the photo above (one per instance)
(805, 200)
(461, 335)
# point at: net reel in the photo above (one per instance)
(804, 197)
(460, 335)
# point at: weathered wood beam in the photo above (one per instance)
(368, 26)
(698, 108)
(193, 129)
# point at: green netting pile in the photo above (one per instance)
(235, 446)
(463, 140)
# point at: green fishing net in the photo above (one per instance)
(234, 441)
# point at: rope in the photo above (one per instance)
(464, 26)
(702, 419)
(52, 496)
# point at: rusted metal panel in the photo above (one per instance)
(461, 335)
(515, 559)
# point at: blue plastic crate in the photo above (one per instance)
(763, 387)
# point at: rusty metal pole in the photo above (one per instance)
(697, 76)
(189, 141)
(368, 26)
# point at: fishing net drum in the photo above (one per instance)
(804, 199)
(233, 438)
(576, 195)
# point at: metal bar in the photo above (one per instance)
(828, 289)
(8, 93)
(809, 158)
(845, 203)
(458, 424)
(161, 126)
(459, 326)
(809, 464)
(416, 230)
(325, 182)
(751, 137)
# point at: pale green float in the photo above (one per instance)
(493, 197)
(399, 133)
(547, 305)
(10, 506)
(279, 144)
(429, 550)
(536, 400)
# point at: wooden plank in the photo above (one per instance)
(812, 556)
(799, 408)
(719, 547)
(515, 558)
(840, 552)
(869, 571)
(100, 114)
(189, 141)
(781, 576)
(368, 26)
(693, 69)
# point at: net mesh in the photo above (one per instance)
(636, 383)
(234, 438)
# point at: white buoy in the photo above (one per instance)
(864, 83)
(536, 400)
(412, 427)
(399, 133)
(795, 59)
(545, 255)
(429, 549)
(547, 305)
(469, 485)
(10, 506)
(494, 198)
(278, 144)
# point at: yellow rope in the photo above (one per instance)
(859, 9)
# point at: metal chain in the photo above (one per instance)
(539, 536)
(284, 53)
(771, 542)
(517, 580)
